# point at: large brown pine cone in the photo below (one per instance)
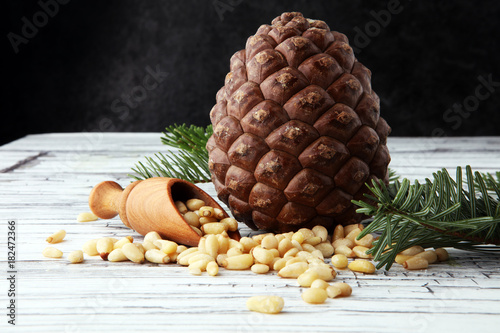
(297, 129)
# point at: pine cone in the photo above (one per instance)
(297, 129)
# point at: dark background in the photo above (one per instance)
(75, 73)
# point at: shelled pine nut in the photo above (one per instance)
(75, 257)
(265, 304)
(212, 268)
(52, 252)
(442, 254)
(416, 263)
(56, 237)
(133, 253)
(345, 289)
(362, 266)
(86, 217)
(157, 256)
(117, 255)
(104, 246)
(89, 247)
(314, 295)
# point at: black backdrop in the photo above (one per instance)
(142, 65)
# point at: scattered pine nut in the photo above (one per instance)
(314, 295)
(117, 255)
(442, 254)
(133, 253)
(416, 263)
(362, 266)
(265, 304)
(56, 237)
(212, 268)
(345, 289)
(104, 246)
(52, 252)
(157, 256)
(75, 257)
(86, 217)
(339, 261)
(89, 247)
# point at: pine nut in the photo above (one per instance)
(366, 241)
(212, 246)
(221, 258)
(235, 243)
(416, 263)
(275, 252)
(442, 254)
(186, 252)
(297, 245)
(234, 251)
(75, 257)
(219, 213)
(315, 240)
(56, 237)
(412, 250)
(429, 255)
(326, 249)
(294, 260)
(248, 243)
(284, 245)
(212, 268)
(291, 253)
(198, 231)
(362, 266)
(265, 304)
(195, 271)
(401, 258)
(260, 268)
(325, 272)
(117, 255)
(279, 237)
(86, 217)
(339, 261)
(133, 253)
(345, 289)
(200, 264)
(321, 232)
(342, 249)
(140, 247)
(89, 247)
(279, 264)
(206, 211)
(319, 283)
(351, 227)
(308, 233)
(204, 220)
(338, 232)
(181, 248)
(181, 207)
(104, 246)
(152, 236)
(317, 254)
(314, 295)
(223, 243)
(360, 252)
(52, 252)
(307, 247)
(269, 242)
(195, 204)
(298, 237)
(184, 260)
(120, 242)
(307, 278)
(147, 245)
(199, 256)
(157, 256)
(240, 262)
(192, 219)
(213, 228)
(333, 292)
(343, 241)
(262, 256)
(232, 224)
(353, 234)
(293, 270)
(166, 246)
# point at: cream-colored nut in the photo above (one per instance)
(212, 268)
(213, 228)
(248, 244)
(360, 252)
(326, 249)
(284, 245)
(86, 217)
(120, 242)
(184, 260)
(279, 264)
(147, 245)
(333, 292)
(411, 251)
(307, 278)
(401, 258)
(269, 242)
(297, 245)
(366, 241)
(152, 236)
(206, 211)
(52, 252)
(185, 252)
(339, 261)
(351, 227)
(258, 238)
(133, 253)
(306, 256)
(293, 260)
(416, 263)
(262, 256)
(265, 304)
(223, 243)
(298, 237)
(442, 254)
(240, 262)
(260, 268)
(235, 243)
(315, 240)
(234, 251)
(56, 237)
(319, 283)
(232, 224)
(195, 271)
(220, 258)
(314, 295)
(212, 245)
(201, 264)
(275, 252)
(291, 253)
(89, 247)
(318, 254)
(201, 244)
(200, 256)
(140, 247)
(343, 242)
(307, 247)
(279, 237)
(338, 232)
(342, 249)
(104, 247)
(306, 232)
(192, 219)
(195, 204)
(181, 207)
(117, 255)
(166, 246)
(353, 234)
(181, 248)
(204, 220)
(293, 270)
(429, 255)
(362, 266)
(75, 257)
(345, 289)
(198, 231)
(219, 213)
(157, 256)
(321, 232)
(325, 272)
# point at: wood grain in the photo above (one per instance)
(45, 183)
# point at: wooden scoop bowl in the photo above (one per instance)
(148, 205)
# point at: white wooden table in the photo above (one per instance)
(45, 181)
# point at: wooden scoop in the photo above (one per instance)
(148, 205)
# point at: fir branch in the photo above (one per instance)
(189, 161)
(439, 213)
